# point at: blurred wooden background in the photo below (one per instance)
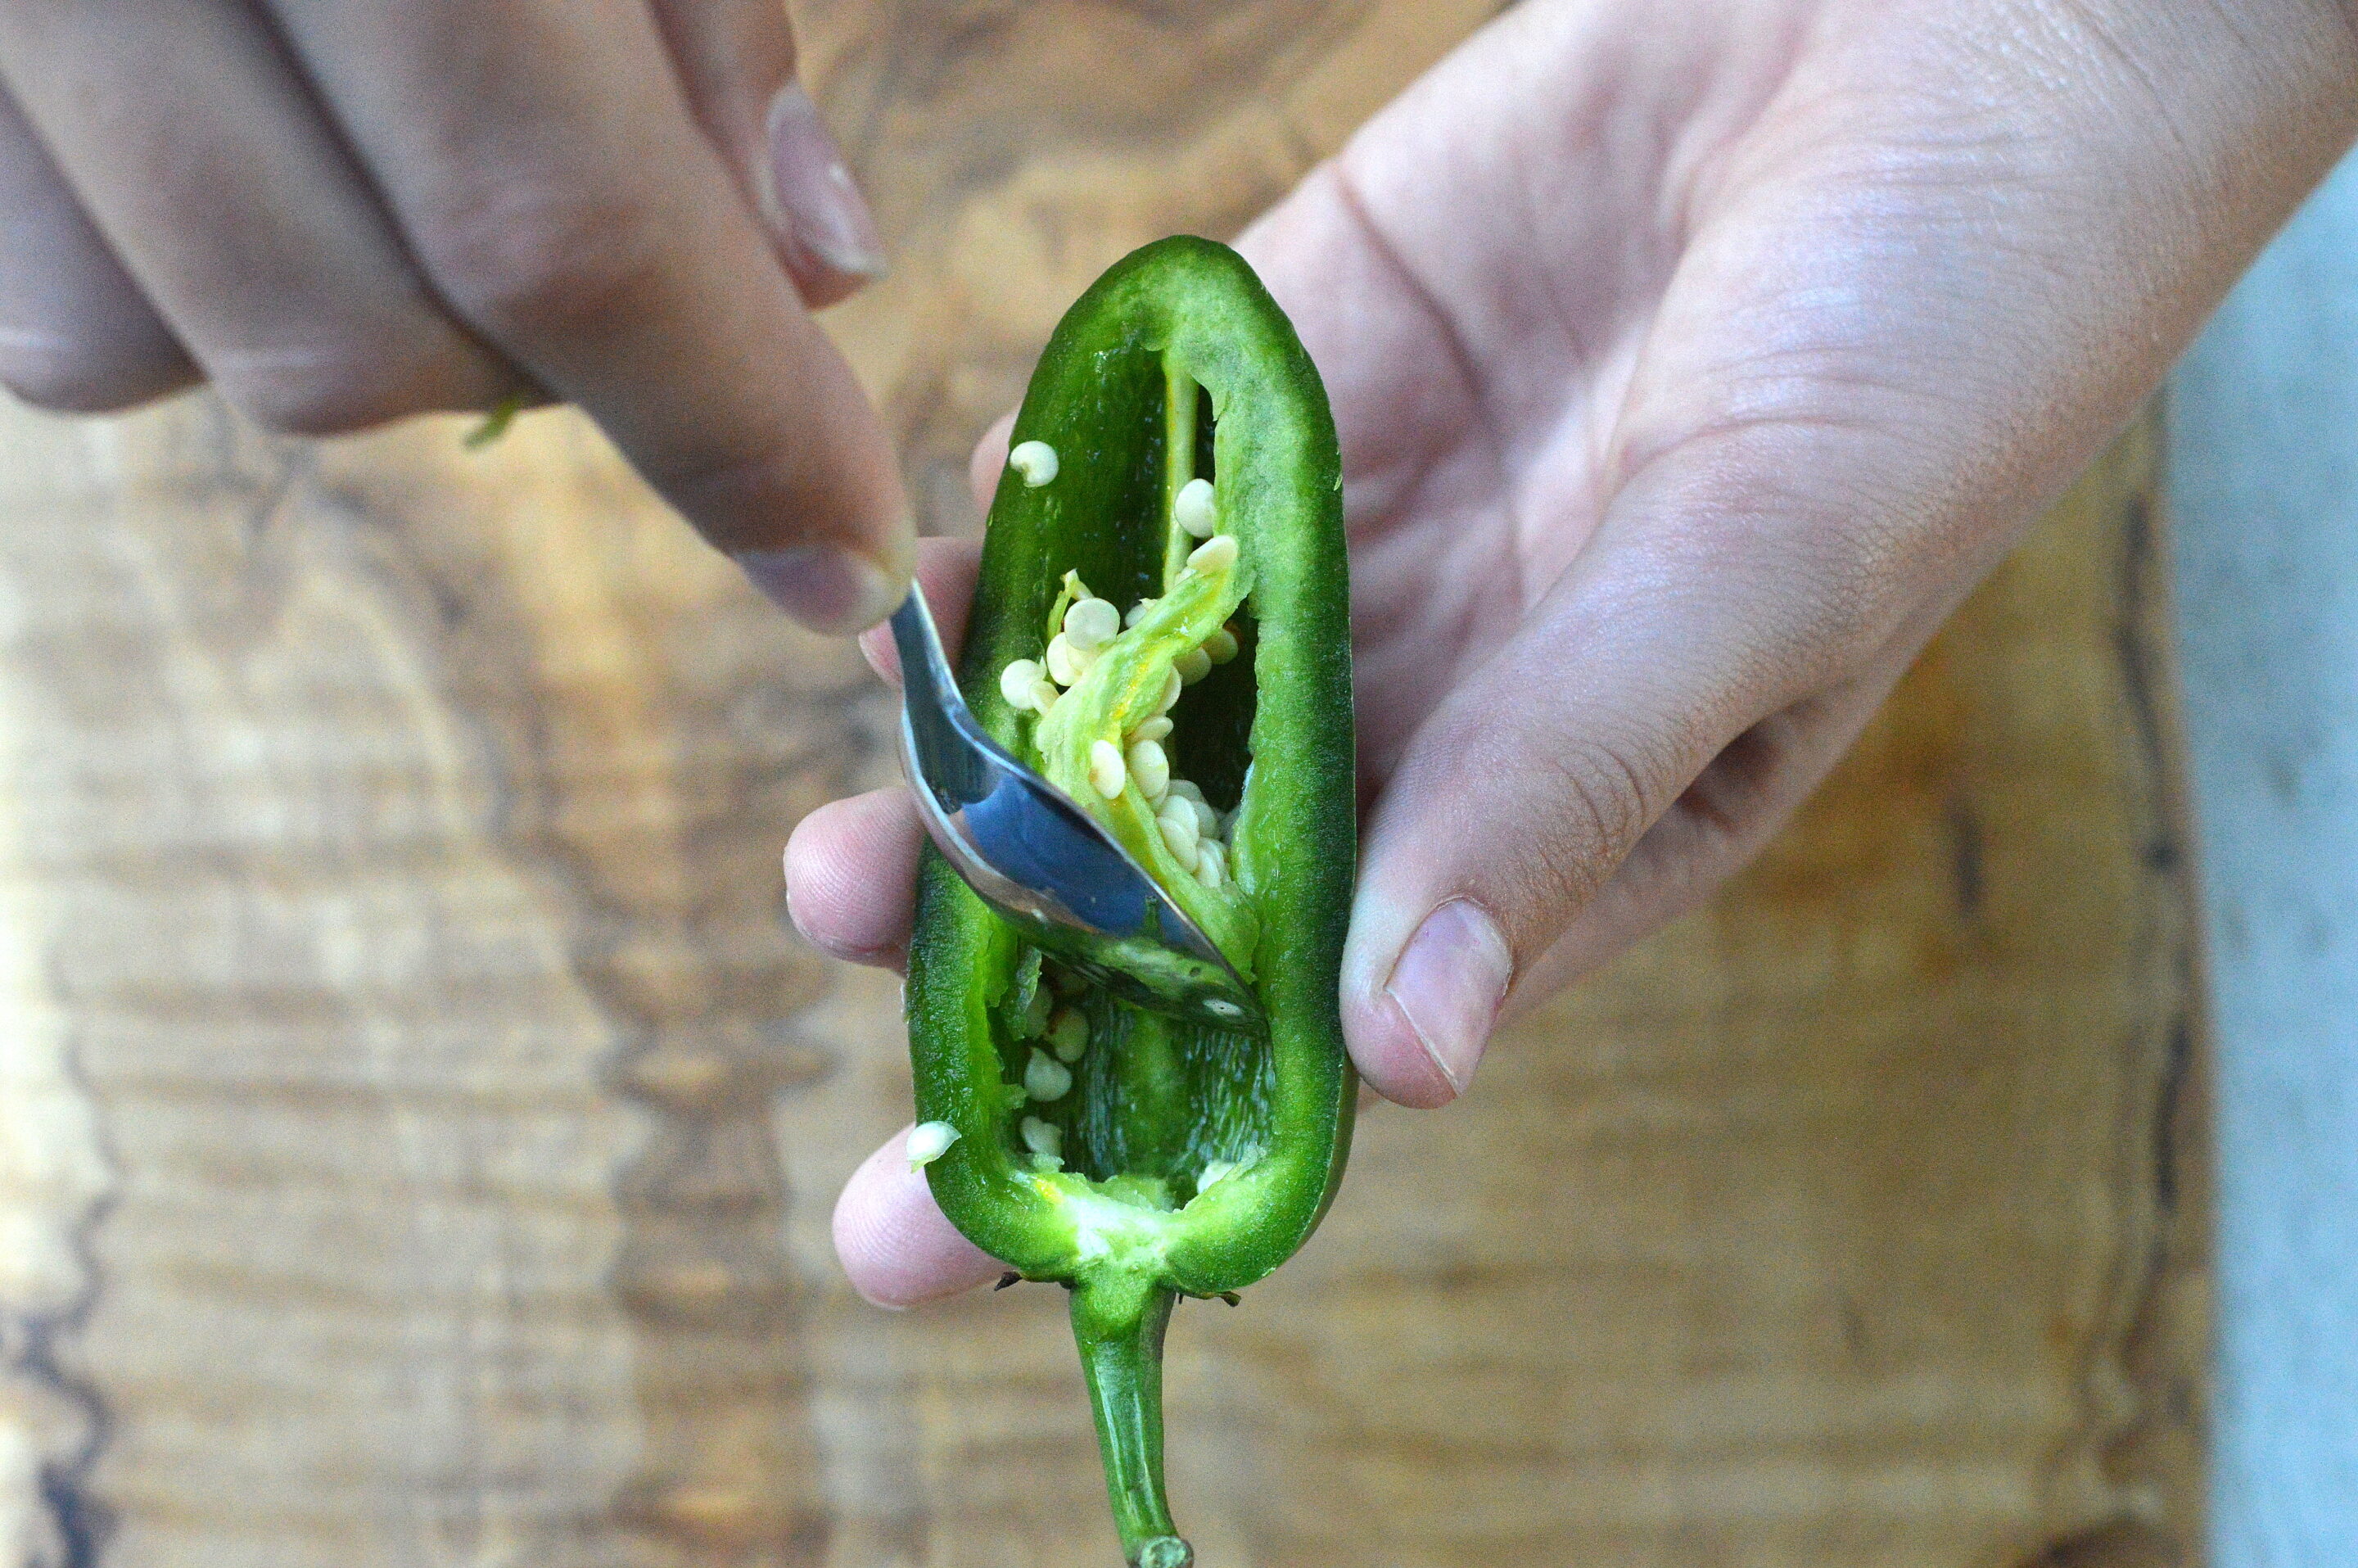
(417, 1126)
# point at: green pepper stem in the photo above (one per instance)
(1118, 1321)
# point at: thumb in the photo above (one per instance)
(1658, 710)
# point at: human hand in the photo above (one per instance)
(1688, 377)
(343, 213)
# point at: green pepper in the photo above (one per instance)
(1133, 1158)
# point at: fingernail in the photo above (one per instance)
(1448, 984)
(816, 208)
(826, 587)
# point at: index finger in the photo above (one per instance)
(546, 170)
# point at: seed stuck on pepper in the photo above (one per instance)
(1107, 772)
(929, 1142)
(1149, 766)
(1035, 460)
(1047, 1079)
(1180, 669)
(1068, 1034)
(1195, 510)
(1091, 624)
(1045, 1138)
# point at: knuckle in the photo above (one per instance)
(1606, 802)
(1586, 800)
(520, 262)
(1594, 811)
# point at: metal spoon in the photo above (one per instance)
(1046, 865)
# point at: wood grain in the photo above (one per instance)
(417, 1124)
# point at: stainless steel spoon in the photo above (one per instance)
(1042, 862)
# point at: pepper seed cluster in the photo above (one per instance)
(1192, 830)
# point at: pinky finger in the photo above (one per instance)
(76, 334)
(897, 1247)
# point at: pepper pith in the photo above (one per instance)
(1171, 1159)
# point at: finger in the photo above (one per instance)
(1709, 599)
(896, 1244)
(852, 877)
(540, 159)
(76, 335)
(947, 569)
(989, 461)
(243, 222)
(736, 63)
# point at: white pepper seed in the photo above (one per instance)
(1151, 766)
(1107, 772)
(1186, 789)
(1207, 821)
(1043, 695)
(929, 1142)
(1220, 647)
(1192, 665)
(1215, 554)
(1172, 686)
(1179, 837)
(1068, 1034)
(1042, 1137)
(1092, 623)
(1154, 728)
(1015, 682)
(1211, 863)
(1067, 663)
(1035, 460)
(1195, 510)
(1138, 612)
(1046, 1079)
(1177, 820)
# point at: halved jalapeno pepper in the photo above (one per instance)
(1163, 627)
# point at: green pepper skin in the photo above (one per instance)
(1177, 313)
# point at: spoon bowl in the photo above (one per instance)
(1041, 861)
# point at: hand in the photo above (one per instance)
(1689, 372)
(341, 212)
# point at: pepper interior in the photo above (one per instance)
(1153, 1105)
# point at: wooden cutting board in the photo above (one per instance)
(417, 1124)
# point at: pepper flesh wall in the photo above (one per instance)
(1181, 469)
